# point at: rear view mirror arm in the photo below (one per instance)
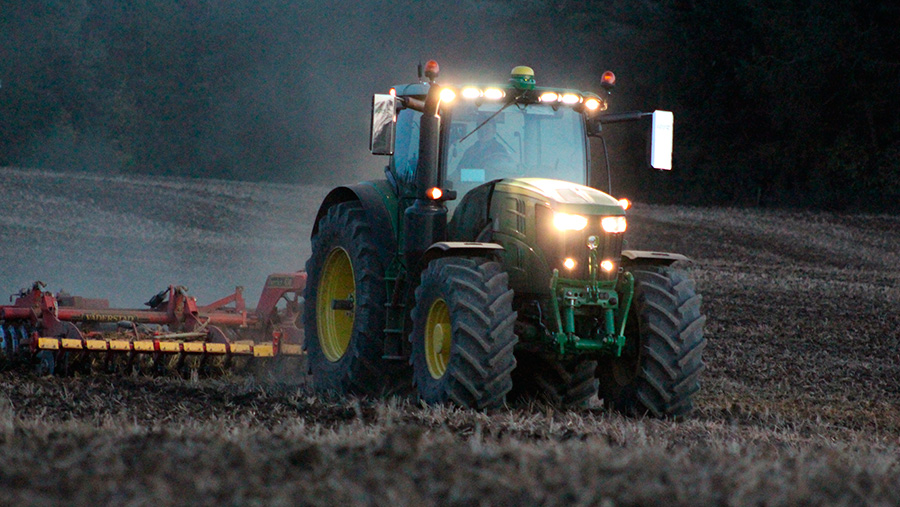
(622, 117)
(661, 132)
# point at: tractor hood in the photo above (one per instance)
(564, 196)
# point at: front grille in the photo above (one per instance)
(558, 245)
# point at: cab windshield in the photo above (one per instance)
(534, 140)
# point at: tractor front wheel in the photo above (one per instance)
(462, 336)
(569, 383)
(659, 370)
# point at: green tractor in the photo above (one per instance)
(483, 267)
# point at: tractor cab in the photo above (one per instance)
(488, 132)
(490, 140)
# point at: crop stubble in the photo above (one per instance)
(798, 404)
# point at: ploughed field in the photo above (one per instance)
(799, 402)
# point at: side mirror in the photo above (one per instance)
(384, 121)
(661, 140)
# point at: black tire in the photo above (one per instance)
(562, 383)
(474, 369)
(660, 366)
(346, 358)
(46, 362)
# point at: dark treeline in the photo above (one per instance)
(780, 102)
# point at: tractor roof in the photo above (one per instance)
(521, 84)
(421, 89)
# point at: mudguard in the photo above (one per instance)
(631, 257)
(459, 248)
(380, 203)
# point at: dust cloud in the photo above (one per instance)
(330, 59)
(126, 238)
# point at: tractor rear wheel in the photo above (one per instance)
(344, 307)
(462, 335)
(562, 383)
(659, 369)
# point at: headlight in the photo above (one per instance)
(494, 93)
(471, 93)
(447, 95)
(549, 97)
(567, 222)
(614, 224)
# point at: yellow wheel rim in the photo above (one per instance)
(336, 304)
(438, 339)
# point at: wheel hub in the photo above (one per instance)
(438, 339)
(335, 309)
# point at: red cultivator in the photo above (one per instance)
(62, 333)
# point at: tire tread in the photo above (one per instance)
(671, 345)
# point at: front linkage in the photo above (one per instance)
(574, 299)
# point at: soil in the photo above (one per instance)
(800, 401)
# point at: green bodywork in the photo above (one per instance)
(604, 299)
(515, 206)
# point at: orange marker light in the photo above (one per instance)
(608, 79)
(435, 193)
(432, 69)
(624, 203)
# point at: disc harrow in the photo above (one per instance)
(63, 334)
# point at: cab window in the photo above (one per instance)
(488, 141)
(406, 147)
